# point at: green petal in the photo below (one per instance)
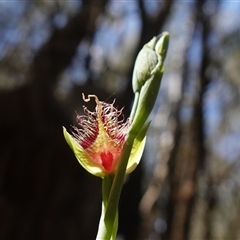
(137, 149)
(82, 157)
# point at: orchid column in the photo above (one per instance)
(109, 147)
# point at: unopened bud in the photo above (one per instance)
(147, 75)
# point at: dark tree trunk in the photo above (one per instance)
(45, 194)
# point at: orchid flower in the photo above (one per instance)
(98, 140)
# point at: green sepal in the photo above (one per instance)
(82, 156)
(137, 149)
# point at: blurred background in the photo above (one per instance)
(188, 183)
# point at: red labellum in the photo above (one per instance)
(102, 134)
(107, 160)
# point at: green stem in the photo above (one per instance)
(115, 227)
(104, 228)
(134, 107)
(112, 206)
(106, 187)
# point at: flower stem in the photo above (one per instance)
(134, 107)
(104, 228)
(111, 213)
(146, 81)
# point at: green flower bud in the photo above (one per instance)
(147, 74)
